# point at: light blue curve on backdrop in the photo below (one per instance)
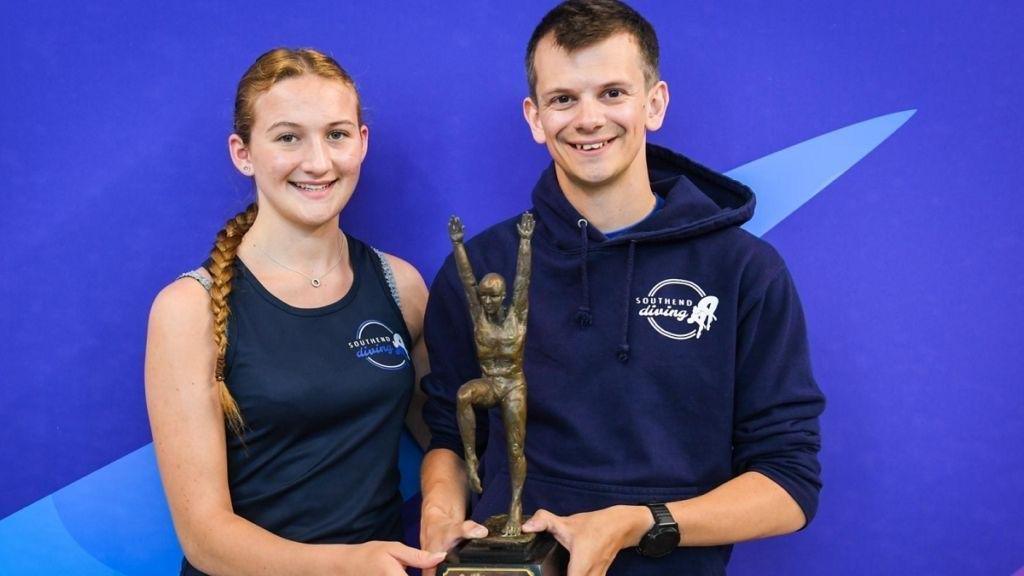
(783, 181)
(34, 541)
(115, 521)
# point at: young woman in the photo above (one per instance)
(278, 374)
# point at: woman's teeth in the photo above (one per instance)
(311, 187)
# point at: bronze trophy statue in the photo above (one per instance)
(500, 337)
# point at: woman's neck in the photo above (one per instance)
(311, 251)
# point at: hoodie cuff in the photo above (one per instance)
(803, 493)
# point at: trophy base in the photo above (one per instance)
(527, 555)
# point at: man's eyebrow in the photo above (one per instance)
(553, 91)
(624, 82)
(614, 83)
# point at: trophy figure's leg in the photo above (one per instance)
(513, 411)
(478, 392)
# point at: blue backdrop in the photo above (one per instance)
(881, 139)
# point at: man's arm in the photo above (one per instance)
(747, 507)
(520, 296)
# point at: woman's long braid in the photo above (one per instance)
(225, 248)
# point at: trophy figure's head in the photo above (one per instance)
(492, 294)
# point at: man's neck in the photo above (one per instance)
(614, 206)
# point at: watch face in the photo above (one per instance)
(660, 541)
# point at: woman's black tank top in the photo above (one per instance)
(323, 392)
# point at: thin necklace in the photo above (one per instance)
(314, 280)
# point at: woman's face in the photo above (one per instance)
(305, 149)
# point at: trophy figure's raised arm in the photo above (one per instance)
(500, 338)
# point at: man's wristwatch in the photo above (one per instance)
(663, 537)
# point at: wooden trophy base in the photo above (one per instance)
(527, 555)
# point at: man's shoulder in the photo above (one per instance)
(753, 261)
(758, 250)
(736, 246)
(759, 263)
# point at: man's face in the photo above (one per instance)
(593, 111)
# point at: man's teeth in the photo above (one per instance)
(311, 187)
(594, 146)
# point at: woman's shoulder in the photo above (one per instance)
(399, 273)
(185, 301)
(412, 290)
(408, 279)
(405, 273)
(179, 341)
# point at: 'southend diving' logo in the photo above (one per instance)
(678, 309)
(380, 345)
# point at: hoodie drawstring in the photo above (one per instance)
(624, 347)
(583, 317)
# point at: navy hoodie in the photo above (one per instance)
(659, 364)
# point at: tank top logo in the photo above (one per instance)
(380, 345)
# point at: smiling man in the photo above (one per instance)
(671, 407)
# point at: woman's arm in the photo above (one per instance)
(413, 293)
(189, 439)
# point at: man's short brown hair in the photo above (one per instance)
(579, 24)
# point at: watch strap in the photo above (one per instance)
(662, 517)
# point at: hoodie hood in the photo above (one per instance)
(697, 201)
